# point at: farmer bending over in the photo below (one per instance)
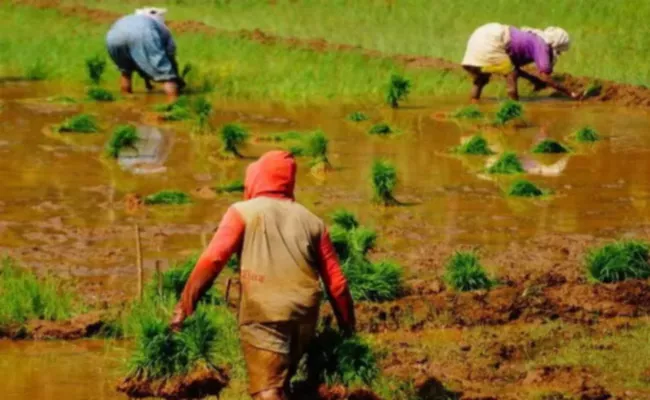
(141, 42)
(503, 49)
(283, 250)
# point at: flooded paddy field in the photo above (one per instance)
(67, 210)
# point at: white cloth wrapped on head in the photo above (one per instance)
(153, 12)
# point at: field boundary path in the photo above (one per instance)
(618, 93)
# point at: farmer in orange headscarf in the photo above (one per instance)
(283, 250)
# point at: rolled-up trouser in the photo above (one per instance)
(273, 350)
(145, 56)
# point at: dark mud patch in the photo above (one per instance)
(203, 382)
(336, 392)
(79, 327)
(624, 94)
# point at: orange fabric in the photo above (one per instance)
(335, 283)
(273, 175)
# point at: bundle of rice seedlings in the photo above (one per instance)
(384, 181)
(97, 93)
(464, 272)
(357, 116)
(594, 89)
(618, 261)
(231, 187)
(508, 163)
(549, 146)
(524, 188)
(168, 197)
(95, 68)
(509, 111)
(469, 112)
(170, 283)
(586, 135)
(124, 136)
(380, 129)
(476, 145)
(345, 219)
(233, 136)
(82, 123)
(316, 146)
(398, 88)
(202, 108)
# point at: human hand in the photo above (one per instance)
(576, 96)
(178, 317)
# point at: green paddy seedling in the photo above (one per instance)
(168, 197)
(476, 145)
(469, 112)
(586, 135)
(95, 67)
(357, 116)
(381, 129)
(384, 181)
(202, 108)
(316, 147)
(509, 111)
(594, 89)
(398, 88)
(464, 272)
(124, 136)
(524, 188)
(236, 186)
(618, 261)
(549, 146)
(233, 136)
(507, 164)
(100, 94)
(37, 71)
(345, 219)
(82, 123)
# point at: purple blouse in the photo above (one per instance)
(527, 47)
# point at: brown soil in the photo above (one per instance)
(200, 383)
(624, 94)
(79, 327)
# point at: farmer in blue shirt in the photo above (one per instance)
(142, 43)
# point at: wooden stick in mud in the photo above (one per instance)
(138, 249)
(159, 278)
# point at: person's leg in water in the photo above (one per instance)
(511, 80)
(271, 394)
(171, 90)
(480, 79)
(126, 82)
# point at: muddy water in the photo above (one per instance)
(62, 204)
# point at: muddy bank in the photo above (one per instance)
(619, 93)
(79, 327)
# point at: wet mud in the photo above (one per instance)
(80, 327)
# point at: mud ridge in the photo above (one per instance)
(79, 327)
(619, 93)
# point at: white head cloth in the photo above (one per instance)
(558, 38)
(153, 12)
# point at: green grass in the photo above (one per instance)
(507, 164)
(357, 116)
(168, 197)
(100, 94)
(464, 272)
(476, 145)
(384, 181)
(37, 71)
(398, 88)
(23, 296)
(236, 186)
(233, 136)
(524, 188)
(508, 111)
(586, 135)
(124, 136)
(618, 261)
(95, 67)
(549, 146)
(469, 112)
(380, 129)
(82, 123)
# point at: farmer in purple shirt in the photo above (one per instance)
(502, 49)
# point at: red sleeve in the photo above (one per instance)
(335, 283)
(225, 242)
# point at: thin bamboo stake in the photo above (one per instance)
(159, 278)
(138, 249)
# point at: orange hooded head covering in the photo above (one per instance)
(273, 175)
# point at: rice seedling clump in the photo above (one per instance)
(357, 116)
(100, 94)
(524, 188)
(618, 261)
(586, 135)
(507, 164)
(476, 145)
(95, 67)
(380, 129)
(202, 108)
(82, 123)
(316, 146)
(384, 181)
(233, 136)
(124, 136)
(231, 187)
(464, 272)
(168, 197)
(398, 88)
(509, 111)
(23, 296)
(594, 89)
(549, 146)
(469, 112)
